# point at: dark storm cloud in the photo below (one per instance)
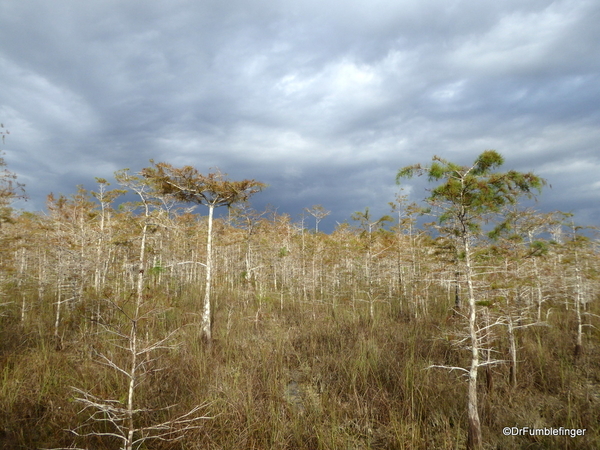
(324, 101)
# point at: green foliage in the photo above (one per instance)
(468, 195)
(539, 248)
(157, 269)
(366, 222)
(485, 303)
(325, 345)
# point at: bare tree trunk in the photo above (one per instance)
(22, 270)
(41, 276)
(578, 303)
(132, 381)
(119, 421)
(512, 351)
(206, 313)
(59, 303)
(489, 379)
(456, 289)
(474, 433)
(99, 247)
(133, 333)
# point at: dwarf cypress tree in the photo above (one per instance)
(467, 198)
(186, 184)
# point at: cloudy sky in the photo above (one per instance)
(324, 101)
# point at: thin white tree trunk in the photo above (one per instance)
(474, 434)
(133, 344)
(206, 317)
(578, 305)
(512, 350)
(59, 302)
(132, 381)
(58, 307)
(22, 270)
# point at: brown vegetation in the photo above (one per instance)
(319, 341)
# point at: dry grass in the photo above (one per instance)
(303, 377)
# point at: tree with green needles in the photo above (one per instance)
(467, 198)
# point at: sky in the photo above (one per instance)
(323, 101)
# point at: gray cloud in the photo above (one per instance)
(323, 101)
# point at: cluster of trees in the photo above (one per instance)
(116, 269)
